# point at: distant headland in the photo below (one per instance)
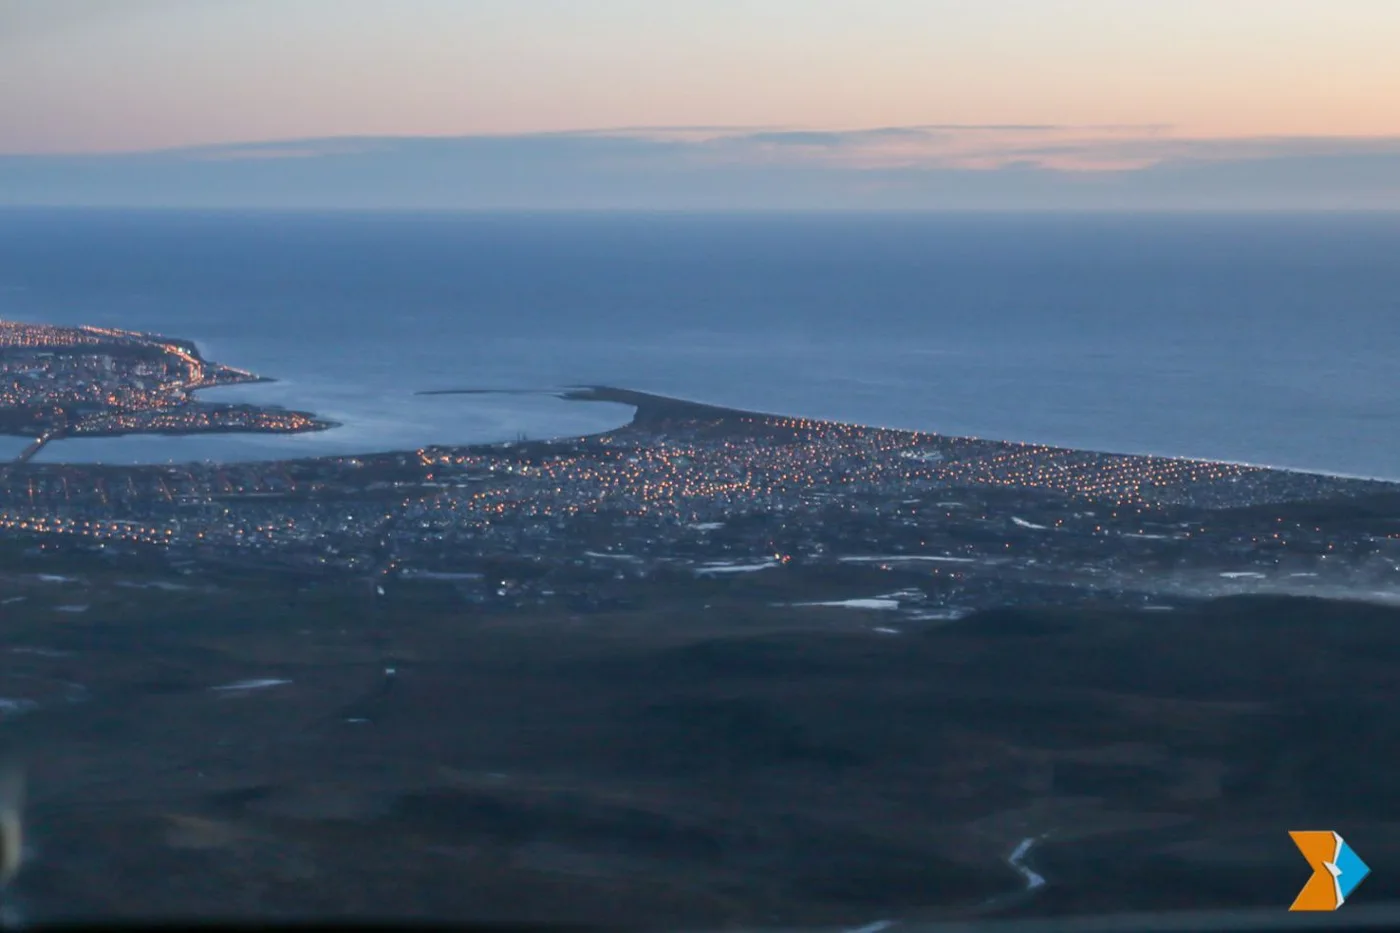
(58, 382)
(650, 409)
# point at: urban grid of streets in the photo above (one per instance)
(705, 490)
(60, 382)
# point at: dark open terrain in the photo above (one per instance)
(674, 764)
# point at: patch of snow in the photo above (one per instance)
(707, 526)
(154, 585)
(1017, 861)
(875, 927)
(250, 685)
(1302, 574)
(10, 707)
(1237, 574)
(857, 603)
(735, 568)
(1025, 524)
(895, 558)
(1129, 534)
(12, 600)
(610, 556)
(54, 578)
(887, 631)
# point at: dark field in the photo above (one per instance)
(675, 765)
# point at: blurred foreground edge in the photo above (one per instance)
(1360, 917)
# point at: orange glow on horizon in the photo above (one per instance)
(151, 74)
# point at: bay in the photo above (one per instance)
(1248, 338)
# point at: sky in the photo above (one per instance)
(538, 103)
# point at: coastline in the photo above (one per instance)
(320, 425)
(650, 409)
(650, 405)
(197, 432)
(368, 425)
(114, 420)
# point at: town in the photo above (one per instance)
(922, 525)
(60, 382)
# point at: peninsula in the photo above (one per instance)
(60, 382)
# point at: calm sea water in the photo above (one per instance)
(1267, 340)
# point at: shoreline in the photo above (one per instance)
(650, 410)
(203, 374)
(102, 435)
(322, 425)
(649, 407)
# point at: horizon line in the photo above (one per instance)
(39, 207)
(719, 130)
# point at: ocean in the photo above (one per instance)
(1258, 339)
